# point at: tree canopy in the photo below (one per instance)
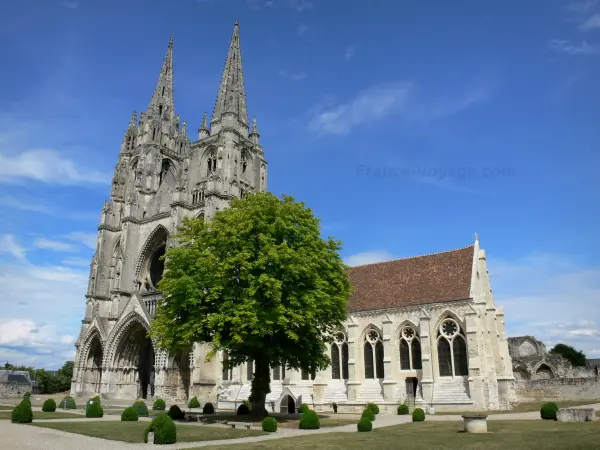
(48, 382)
(576, 357)
(258, 282)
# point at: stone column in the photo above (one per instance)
(475, 379)
(388, 383)
(353, 381)
(427, 337)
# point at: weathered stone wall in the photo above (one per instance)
(558, 389)
(14, 389)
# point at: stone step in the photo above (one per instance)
(456, 391)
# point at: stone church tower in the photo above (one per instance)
(161, 177)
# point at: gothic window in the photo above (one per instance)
(305, 375)
(164, 170)
(227, 371)
(339, 357)
(278, 373)
(153, 133)
(373, 353)
(250, 370)
(452, 350)
(163, 91)
(181, 148)
(410, 349)
(160, 109)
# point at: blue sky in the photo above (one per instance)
(406, 125)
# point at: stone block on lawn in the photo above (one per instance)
(576, 414)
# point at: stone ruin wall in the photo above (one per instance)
(540, 375)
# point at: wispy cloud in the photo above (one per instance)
(46, 166)
(9, 245)
(591, 23)
(70, 5)
(349, 53)
(302, 28)
(574, 48)
(78, 262)
(293, 76)
(50, 244)
(27, 204)
(297, 5)
(370, 257)
(88, 239)
(23, 205)
(391, 99)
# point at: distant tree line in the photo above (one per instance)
(48, 382)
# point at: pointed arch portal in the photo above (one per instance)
(134, 361)
(93, 366)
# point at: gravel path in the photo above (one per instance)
(25, 437)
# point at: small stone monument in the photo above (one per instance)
(475, 423)
(576, 414)
(151, 438)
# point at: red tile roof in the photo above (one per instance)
(440, 277)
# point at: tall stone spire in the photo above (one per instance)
(163, 94)
(232, 94)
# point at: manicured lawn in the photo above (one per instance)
(134, 431)
(6, 408)
(285, 421)
(529, 407)
(509, 435)
(39, 415)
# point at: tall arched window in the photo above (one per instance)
(227, 371)
(410, 349)
(452, 350)
(250, 370)
(339, 357)
(373, 353)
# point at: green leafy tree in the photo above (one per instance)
(258, 282)
(576, 357)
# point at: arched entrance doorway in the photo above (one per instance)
(288, 405)
(134, 361)
(93, 367)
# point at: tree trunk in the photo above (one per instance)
(260, 386)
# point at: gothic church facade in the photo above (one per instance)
(423, 330)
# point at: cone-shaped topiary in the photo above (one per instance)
(194, 403)
(22, 413)
(269, 424)
(164, 430)
(418, 415)
(94, 411)
(176, 413)
(302, 408)
(159, 405)
(369, 414)
(96, 399)
(243, 410)
(49, 405)
(403, 409)
(141, 408)
(309, 420)
(373, 407)
(364, 424)
(67, 403)
(129, 414)
(548, 411)
(208, 409)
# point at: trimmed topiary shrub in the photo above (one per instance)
(369, 414)
(548, 411)
(164, 430)
(364, 424)
(243, 410)
(208, 409)
(94, 411)
(22, 413)
(176, 413)
(129, 414)
(49, 405)
(159, 405)
(96, 399)
(403, 409)
(67, 403)
(194, 403)
(418, 415)
(141, 408)
(373, 407)
(303, 408)
(269, 425)
(309, 420)
(27, 394)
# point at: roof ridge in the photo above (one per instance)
(414, 257)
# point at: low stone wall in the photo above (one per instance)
(558, 389)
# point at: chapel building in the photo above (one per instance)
(422, 330)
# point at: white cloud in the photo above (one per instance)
(79, 262)
(46, 166)
(572, 48)
(8, 244)
(53, 245)
(12, 202)
(41, 313)
(349, 53)
(88, 239)
(70, 5)
(371, 257)
(552, 297)
(591, 23)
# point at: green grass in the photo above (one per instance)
(509, 435)
(284, 420)
(525, 407)
(39, 415)
(133, 432)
